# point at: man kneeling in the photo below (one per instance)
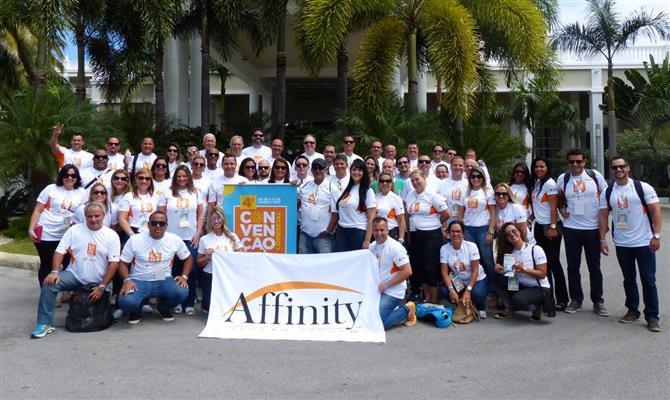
(151, 255)
(95, 258)
(394, 269)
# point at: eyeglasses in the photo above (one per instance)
(301, 165)
(98, 192)
(618, 167)
(502, 194)
(162, 166)
(144, 178)
(213, 155)
(172, 150)
(476, 176)
(280, 167)
(385, 181)
(348, 141)
(199, 164)
(575, 162)
(120, 178)
(250, 166)
(72, 176)
(158, 223)
(308, 142)
(263, 167)
(512, 232)
(424, 161)
(100, 157)
(113, 144)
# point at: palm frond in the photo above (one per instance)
(642, 22)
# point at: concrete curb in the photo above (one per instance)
(19, 261)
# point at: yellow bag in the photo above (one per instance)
(465, 315)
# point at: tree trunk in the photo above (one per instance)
(159, 108)
(80, 87)
(24, 54)
(39, 78)
(280, 84)
(611, 115)
(342, 83)
(438, 95)
(460, 129)
(204, 87)
(412, 74)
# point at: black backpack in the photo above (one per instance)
(87, 316)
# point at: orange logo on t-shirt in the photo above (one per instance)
(147, 207)
(91, 249)
(579, 186)
(456, 195)
(155, 256)
(66, 204)
(182, 202)
(473, 202)
(312, 198)
(391, 214)
(622, 202)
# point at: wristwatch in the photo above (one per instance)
(469, 288)
(657, 236)
(102, 286)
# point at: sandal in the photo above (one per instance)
(504, 315)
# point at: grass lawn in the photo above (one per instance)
(19, 246)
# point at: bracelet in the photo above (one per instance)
(603, 241)
(55, 270)
(184, 276)
(126, 280)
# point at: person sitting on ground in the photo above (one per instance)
(95, 252)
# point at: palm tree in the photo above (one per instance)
(605, 33)
(82, 14)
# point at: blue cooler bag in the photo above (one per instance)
(435, 312)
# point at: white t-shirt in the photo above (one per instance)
(525, 257)
(391, 256)
(434, 164)
(453, 192)
(511, 213)
(115, 205)
(80, 217)
(115, 161)
(460, 261)
(541, 205)
(424, 210)
(220, 244)
(352, 157)
(631, 225)
(477, 205)
(522, 196)
(583, 200)
(202, 188)
(215, 193)
(173, 165)
(263, 152)
(162, 187)
(182, 212)
(338, 185)
(314, 207)
(91, 251)
(390, 206)
(80, 159)
(59, 205)
(139, 209)
(433, 183)
(90, 174)
(143, 161)
(212, 174)
(152, 258)
(350, 215)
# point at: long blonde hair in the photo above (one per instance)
(126, 188)
(226, 231)
(147, 171)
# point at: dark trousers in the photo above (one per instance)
(552, 248)
(46, 250)
(527, 298)
(206, 279)
(646, 263)
(575, 240)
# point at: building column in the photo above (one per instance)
(171, 74)
(182, 101)
(421, 83)
(195, 81)
(596, 125)
(253, 100)
(267, 102)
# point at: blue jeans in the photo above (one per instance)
(477, 235)
(317, 245)
(646, 263)
(391, 312)
(348, 239)
(575, 240)
(45, 308)
(169, 293)
(178, 267)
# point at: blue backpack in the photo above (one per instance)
(437, 312)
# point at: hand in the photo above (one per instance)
(604, 248)
(654, 244)
(33, 236)
(382, 286)
(466, 298)
(552, 233)
(195, 240)
(564, 212)
(489, 238)
(453, 296)
(51, 279)
(324, 234)
(209, 252)
(96, 294)
(519, 266)
(499, 269)
(128, 288)
(366, 244)
(181, 281)
(58, 128)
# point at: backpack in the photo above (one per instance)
(436, 312)
(87, 316)
(640, 193)
(566, 178)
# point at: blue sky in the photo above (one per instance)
(570, 11)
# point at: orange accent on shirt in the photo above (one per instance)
(391, 214)
(48, 205)
(60, 158)
(545, 198)
(432, 210)
(394, 268)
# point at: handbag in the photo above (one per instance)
(548, 301)
(465, 314)
(88, 316)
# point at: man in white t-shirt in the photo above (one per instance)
(340, 179)
(579, 191)
(213, 160)
(438, 153)
(264, 167)
(394, 270)
(257, 151)
(329, 156)
(348, 146)
(413, 155)
(144, 159)
(316, 221)
(376, 148)
(454, 187)
(230, 177)
(146, 270)
(636, 231)
(116, 160)
(236, 147)
(390, 152)
(75, 155)
(98, 172)
(309, 144)
(209, 142)
(95, 252)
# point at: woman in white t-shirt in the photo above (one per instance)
(219, 240)
(97, 192)
(161, 174)
(509, 210)
(137, 205)
(183, 207)
(464, 277)
(174, 157)
(53, 216)
(547, 227)
(476, 210)
(427, 212)
(355, 209)
(201, 182)
(522, 286)
(522, 185)
(390, 206)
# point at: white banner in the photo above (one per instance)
(326, 297)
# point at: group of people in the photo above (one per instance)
(436, 222)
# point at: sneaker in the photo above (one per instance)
(504, 314)
(41, 330)
(147, 309)
(134, 317)
(482, 314)
(166, 315)
(573, 307)
(178, 309)
(599, 309)
(189, 311)
(411, 317)
(653, 325)
(629, 317)
(117, 314)
(205, 311)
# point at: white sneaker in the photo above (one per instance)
(189, 311)
(117, 314)
(177, 310)
(482, 314)
(147, 309)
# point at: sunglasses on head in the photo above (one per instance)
(158, 223)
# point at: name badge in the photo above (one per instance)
(508, 263)
(621, 220)
(183, 220)
(454, 210)
(580, 206)
(67, 221)
(91, 249)
(513, 284)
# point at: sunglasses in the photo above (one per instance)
(301, 165)
(250, 166)
(476, 176)
(113, 144)
(618, 167)
(98, 192)
(100, 157)
(348, 141)
(520, 172)
(144, 178)
(402, 162)
(501, 194)
(120, 178)
(172, 150)
(451, 153)
(161, 166)
(317, 168)
(575, 162)
(280, 167)
(264, 168)
(158, 223)
(199, 164)
(385, 181)
(437, 151)
(215, 219)
(424, 161)
(258, 135)
(308, 142)
(73, 176)
(212, 154)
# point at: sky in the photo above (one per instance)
(570, 11)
